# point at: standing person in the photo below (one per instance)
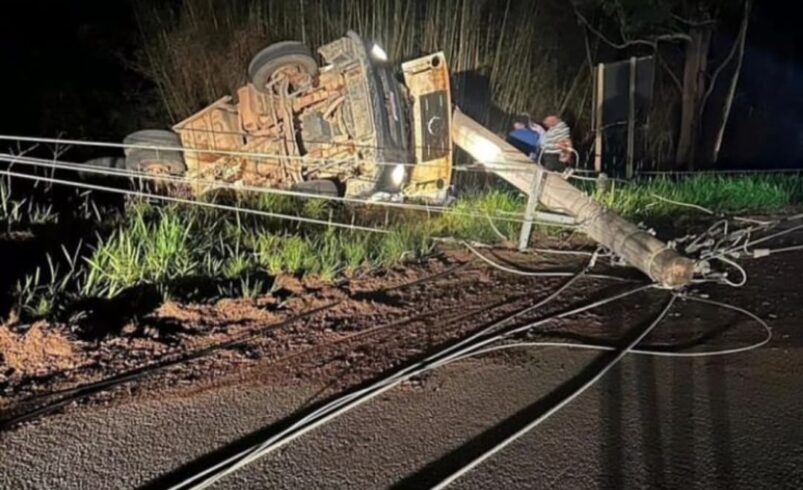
(556, 144)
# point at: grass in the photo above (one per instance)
(23, 212)
(48, 291)
(170, 246)
(498, 213)
(154, 246)
(717, 193)
(196, 51)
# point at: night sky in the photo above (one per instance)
(66, 68)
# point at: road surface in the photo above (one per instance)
(731, 422)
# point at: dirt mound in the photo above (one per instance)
(224, 312)
(39, 350)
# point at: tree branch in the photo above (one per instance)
(628, 43)
(748, 4)
(601, 36)
(589, 58)
(733, 51)
(693, 23)
(669, 71)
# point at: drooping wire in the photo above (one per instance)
(557, 407)
(225, 207)
(466, 348)
(270, 158)
(334, 408)
(217, 185)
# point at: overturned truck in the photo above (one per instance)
(356, 127)
(348, 128)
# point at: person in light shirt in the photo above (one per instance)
(556, 144)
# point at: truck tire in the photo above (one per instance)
(320, 187)
(145, 160)
(106, 162)
(103, 163)
(277, 56)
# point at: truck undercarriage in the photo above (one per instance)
(353, 127)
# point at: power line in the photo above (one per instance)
(338, 406)
(179, 200)
(721, 172)
(629, 349)
(217, 185)
(498, 164)
(544, 416)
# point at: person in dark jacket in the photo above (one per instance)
(526, 137)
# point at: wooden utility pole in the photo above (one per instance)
(640, 249)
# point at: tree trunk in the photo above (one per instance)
(693, 91)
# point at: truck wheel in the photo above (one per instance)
(320, 187)
(156, 160)
(106, 162)
(103, 163)
(291, 58)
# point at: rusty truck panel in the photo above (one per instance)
(427, 80)
(346, 122)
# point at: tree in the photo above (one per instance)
(737, 52)
(647, 25)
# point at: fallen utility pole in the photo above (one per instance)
(640, 249)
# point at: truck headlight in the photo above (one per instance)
(397, 175)
(378, 53)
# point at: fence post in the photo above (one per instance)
(631, 121)
(532, 203)
(599, 96)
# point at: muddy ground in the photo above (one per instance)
(362, 327)
(352, 331)
(335, 337)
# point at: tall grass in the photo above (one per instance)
(198, 51)
(170, 247)
(720, 194)
(48, 291)
(486, 217)
(165, 247)
(15, 212)
(154, 246)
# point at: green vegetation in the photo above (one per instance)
(181, 250)
(486, 217)
(16, 212)
(45, 293)
(720, 194)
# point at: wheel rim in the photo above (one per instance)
(155, 168)
(294, 75)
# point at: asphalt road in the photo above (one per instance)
(730, 422)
